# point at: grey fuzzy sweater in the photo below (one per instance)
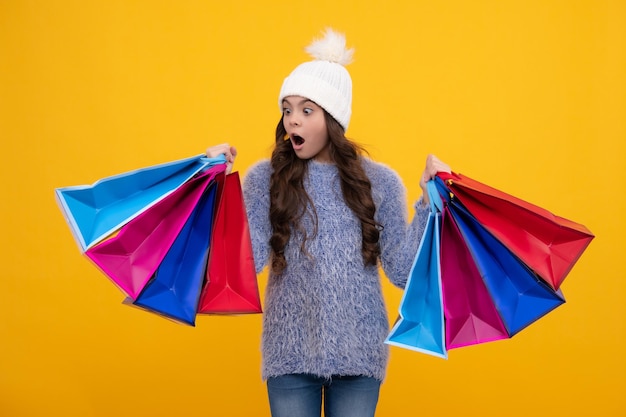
(325, 314)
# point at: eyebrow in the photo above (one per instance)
(304, 100)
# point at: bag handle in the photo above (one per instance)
(436, 204)
(444, 191)
(448, 176)
(210, 162)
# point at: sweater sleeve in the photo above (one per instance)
(256, 186)
(399, 239)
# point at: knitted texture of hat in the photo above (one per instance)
(324, 80)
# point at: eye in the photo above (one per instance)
(286, 111)
(307, 110)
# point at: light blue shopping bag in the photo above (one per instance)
(95, 211)
(420, 326)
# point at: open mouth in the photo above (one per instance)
(297, 140)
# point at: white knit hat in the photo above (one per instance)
(325, 80)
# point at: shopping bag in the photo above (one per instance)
(130, 257)
(420, 326)
(175, 288)
(95, 211)
(471, 316)
(520, 297)
(231, 283)
(550, 245)
(490, 289)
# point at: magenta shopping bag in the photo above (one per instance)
(130, 257)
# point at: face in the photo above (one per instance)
(306, 127)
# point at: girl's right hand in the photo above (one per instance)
(433, 166)
(223, 149)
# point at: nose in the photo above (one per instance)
(294, 120)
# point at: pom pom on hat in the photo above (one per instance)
(331, 48)
(324, 80)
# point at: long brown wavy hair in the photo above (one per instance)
(289, 200)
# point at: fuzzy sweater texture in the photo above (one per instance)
(325, 314)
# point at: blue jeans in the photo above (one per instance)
(300, 395)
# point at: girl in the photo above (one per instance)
(324, 217)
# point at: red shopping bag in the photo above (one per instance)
(231, 284)
(548, 244)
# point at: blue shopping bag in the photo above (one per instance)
(95, 211)
(420, 326)
(175, 288)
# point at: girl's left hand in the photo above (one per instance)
(223, 149)
(433, 166)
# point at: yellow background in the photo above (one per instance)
(527, 96)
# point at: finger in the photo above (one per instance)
(213, 151)
(218, 146)
(431, 167)
(222, 149)
(435, 165)
(231, 154)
